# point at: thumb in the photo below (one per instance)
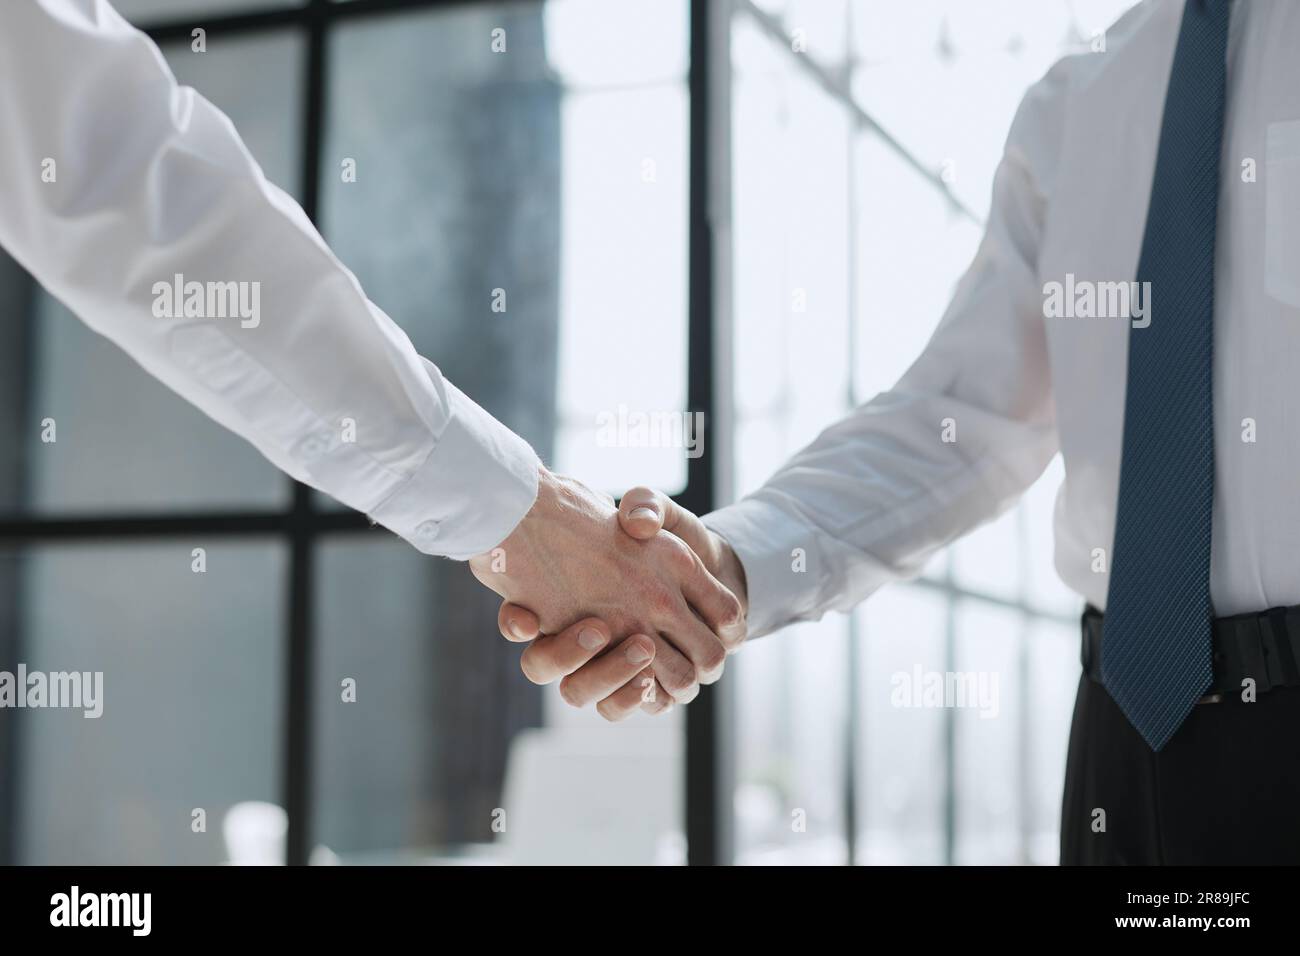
(517, 623)
(643, 512)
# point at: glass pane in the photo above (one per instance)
(376, 620)
(646, 43)
(256, 80)
(819, 195)
(433, 747)
(150, 449)
(623, 284)
(146, 12)
(792, 206)
(969, 64)
(791, 202)
(817, 28)
(899, 785)
(792, 696)
(190, 695)
(910, 251)
(471, 191)
(985, 695)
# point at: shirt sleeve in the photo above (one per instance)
(118, 188)
(952, 445)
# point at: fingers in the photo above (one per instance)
(552, 656)
(609, 672)
(643, 692)
(720, 610)
(517, 623)
(620, 679)
(699, 622)
(654, 699)
(700, 646)
(641, 512)
(675, 673)
(699, 616)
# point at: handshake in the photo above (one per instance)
(629, 608)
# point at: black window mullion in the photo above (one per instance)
(300, 647)
(707, 776)
(301, 524)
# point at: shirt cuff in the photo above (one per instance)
(783, 570)
(470, 493)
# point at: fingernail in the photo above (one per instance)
(517, 631)
(637, 654)
(648, 513)
(591, 639)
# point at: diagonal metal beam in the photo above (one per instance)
(840, 89)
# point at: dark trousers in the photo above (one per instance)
(1225, 789)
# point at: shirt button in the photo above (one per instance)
(426, 531)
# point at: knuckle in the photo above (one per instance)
(733, 614)
(678, 680)
(679, 557)
(660, 599)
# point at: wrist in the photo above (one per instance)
(730, 571)
(490, 567)
(543, 503)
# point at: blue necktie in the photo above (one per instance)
(1155, 654)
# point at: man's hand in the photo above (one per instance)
(643, 512)
(592, 585)
(618, 686)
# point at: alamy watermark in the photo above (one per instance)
(624, 428)
(1084, 299)
(919, 688)
(179, 299)
(72, 690)
(74, 908)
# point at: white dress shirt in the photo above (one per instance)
(114, 180)
(879, 492)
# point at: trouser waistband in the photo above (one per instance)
(1262, 646)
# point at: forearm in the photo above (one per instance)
(869, 502)
(117, 187)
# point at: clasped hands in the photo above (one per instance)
(630, 608)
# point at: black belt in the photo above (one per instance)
(1263, 646)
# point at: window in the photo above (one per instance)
(754, 209)
(864, 139)
(485, 172)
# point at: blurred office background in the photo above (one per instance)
(852, 149)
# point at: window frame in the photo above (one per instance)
(837, 83)
(301, 525)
